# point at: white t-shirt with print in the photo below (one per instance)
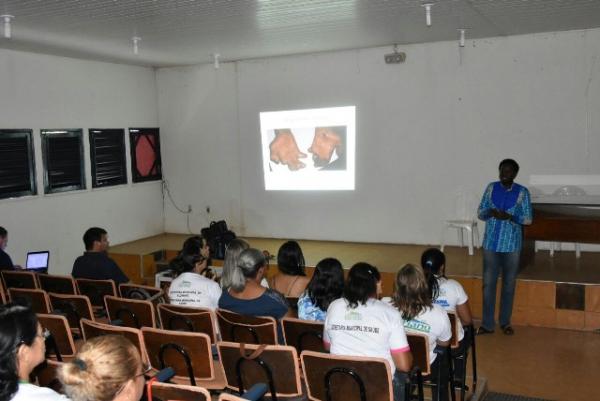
(433, 322)
(451, 293)
(192, 289)
(371, 330)
(29, 392)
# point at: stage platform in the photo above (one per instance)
(560, 291)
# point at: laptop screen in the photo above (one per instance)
(38, 261)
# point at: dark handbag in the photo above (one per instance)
(218, 236)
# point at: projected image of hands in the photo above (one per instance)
(309, 149)
(327, 148)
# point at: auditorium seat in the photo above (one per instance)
(130, 312)
(61, 335)
(454, 344)
(38, 299)
(303, 334)
(95, 290)
(73, 307)
(57, 284)
(248, 364)
(178, 392)
(185, 318)
(18, 279)
(348, 378)
(421, 372)
(246, 329)
(189, 354)
(141, 292)
(91, 329)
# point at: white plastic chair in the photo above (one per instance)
(468, 226)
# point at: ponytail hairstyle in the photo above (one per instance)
(432, 261)
(361, 284)
(101, 369)
(327, 283)
(232, 276)
(250, 262)
(18, 326)
(411, 292)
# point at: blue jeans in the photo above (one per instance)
(493, 264)
(399, 385)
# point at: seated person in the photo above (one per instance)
(421, 316)
(22, 348)
(192, 287)
(94, 263)
(5, 260)
(253, 299)
(325, 286)
(107, 368)
(451, 296)
(291, 280)
(382, 333)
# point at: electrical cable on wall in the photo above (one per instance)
(166, 190)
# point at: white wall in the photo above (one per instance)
(430, 132)
(39, 91)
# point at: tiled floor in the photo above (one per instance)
(553, 364)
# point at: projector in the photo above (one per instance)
(395, 58)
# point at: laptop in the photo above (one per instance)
(37, 262)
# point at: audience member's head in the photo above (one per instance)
(433, 262)
(290, 259)
(252, 263)
(364, 282)
(3, 237)
(95, 239)
(327, 283)
(192, 256)
(232, 276)
(106, 368)
(22, 347)
(411, 292)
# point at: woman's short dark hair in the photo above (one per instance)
(327, 283)
(18, 325)
(432, 261)
(361, 284)
(290, 259)
(411, 293)
(250, 261)
(188, 256)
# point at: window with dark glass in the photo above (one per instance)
(62, 151)
(145, 154)
(17, 171)
(107, 155)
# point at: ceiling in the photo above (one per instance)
(183, 32)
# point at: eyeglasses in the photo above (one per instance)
(145, 369)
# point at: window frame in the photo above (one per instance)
(92, 133)
(135, 176)
(46, 135)
(28, 134)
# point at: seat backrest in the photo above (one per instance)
(303, 334)
(57, 284)
(178, 392)
(73, 307)
(454, 325)
(38, 299)
(95, 290)
(185, 318)
(132, 312)
(45, 375)
(142, 292)
(61, 334)
(189, 354)
(419, 347)
(2, 296)
(276, 365)
(91, 329)
(18, 279)
(246, 329)
(347, 378)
